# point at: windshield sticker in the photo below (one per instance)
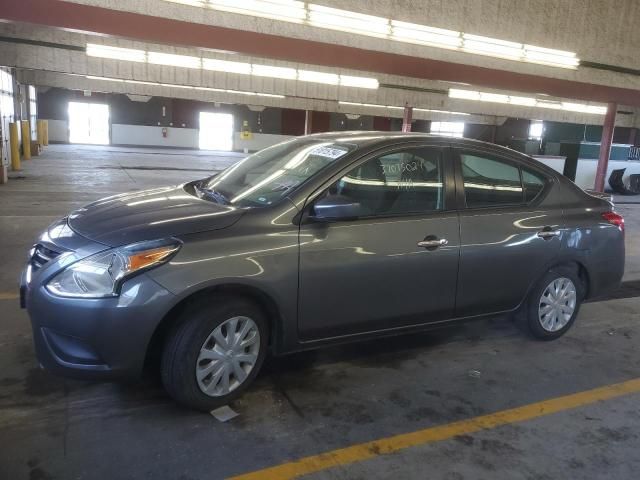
(329, 152)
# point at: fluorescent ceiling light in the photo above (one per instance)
(370, 25)
(318, 77)
(493, 97)
(185, 87)
(464, 94)
(358, 82)
(347, 21)
(226, 66)
(116, 53)
(289, 10)
(140, 82)
(371, 105)
(274, 72)
(493, 47)
(414, 33)
(522, 101)
(172, 60)
(173, 85)
(440, 111)
(91, 77)
(550, 56)
(583, 108)
(185, 61)
(526, 101)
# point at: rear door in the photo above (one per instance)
(370, 272)
(509, 237)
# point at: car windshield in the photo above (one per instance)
(267, 176)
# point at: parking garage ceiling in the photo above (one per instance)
(442, 66)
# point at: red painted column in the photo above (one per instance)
(308, 121)
(605, 146)
(407, 118)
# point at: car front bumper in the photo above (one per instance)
(98, 338)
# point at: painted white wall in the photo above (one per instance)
(152, 136)
(140, 135)
(586, 169)
(557, 163)
(586, 172)
(258, 141)
(58, 131)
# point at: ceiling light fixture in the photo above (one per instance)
(373, 26)
(184, 87)
(284, 73)
(289, 10)
(172, 60)
(526, 101)
(345, 20)
(243, 68)
(116, 53)
(226, 66)
(423, 35)
(318, 77)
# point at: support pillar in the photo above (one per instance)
(605, 146)
(14, 143)
(26, 140)
(40, 131)
(633, 135)
(308, 122)
(407, 118)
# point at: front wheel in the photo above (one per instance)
(214, 352)
(554, 303)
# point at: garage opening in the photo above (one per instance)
(89, 123)
(216, 131)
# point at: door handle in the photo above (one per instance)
(549, 234)
(433, 243)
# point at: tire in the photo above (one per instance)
(192, 337)
(542, 326)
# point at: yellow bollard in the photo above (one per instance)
(15, 150)
(26, 140)
(40, 132)
(46, 131)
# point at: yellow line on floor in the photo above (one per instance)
(9, 296)
(364, 451)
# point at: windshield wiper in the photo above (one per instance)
(212, 194)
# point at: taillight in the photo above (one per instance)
(614, 219)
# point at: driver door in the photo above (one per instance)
(394, 263)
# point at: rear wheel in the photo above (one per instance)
(554, 303)
(214, 352)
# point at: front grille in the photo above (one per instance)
(41, 255)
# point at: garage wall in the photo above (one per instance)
(141, 135)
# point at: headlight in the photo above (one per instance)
(101, 275)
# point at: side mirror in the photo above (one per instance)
(335, 207)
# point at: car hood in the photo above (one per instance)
(148, 215)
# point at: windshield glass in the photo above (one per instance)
(267, 176)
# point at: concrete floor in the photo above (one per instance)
(52, 428)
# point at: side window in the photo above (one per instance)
(532, 183)
(489, 182)
(409, 181)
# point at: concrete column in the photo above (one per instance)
(308, 122)
(26, 140)
(633, 134)
(406, 119)
(14, 140)
(605, 146)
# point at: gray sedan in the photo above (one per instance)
(319, 240)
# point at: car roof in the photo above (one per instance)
(368, 138)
